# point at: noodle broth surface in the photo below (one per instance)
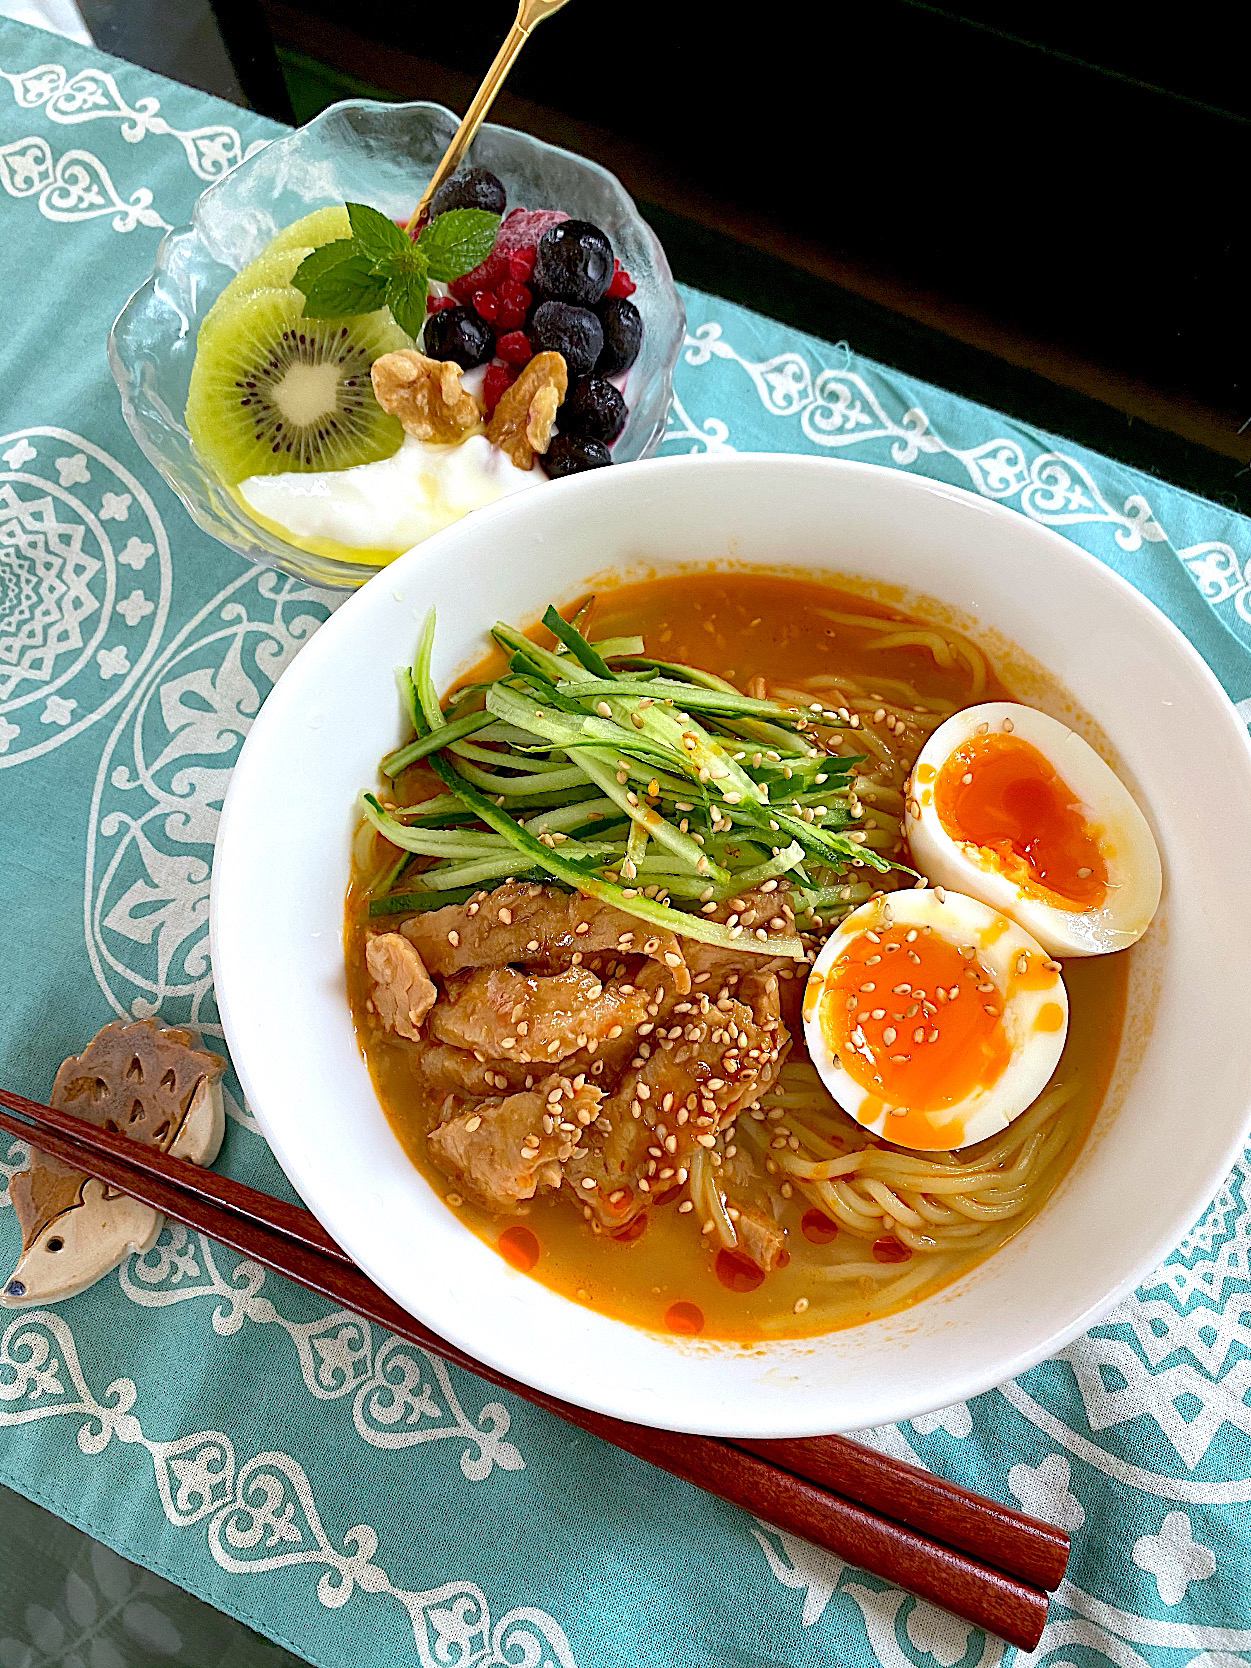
(842, 1266)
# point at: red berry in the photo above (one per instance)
(484, 277)
(514, 299)
(521, 265)
(436, 303)
(621, 282)
(498, 378)
(486, 305)
(522, 229)
(514, 347)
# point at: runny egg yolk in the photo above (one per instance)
(916, 1020)
(1000, 793)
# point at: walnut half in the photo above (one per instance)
(426, 395)
(522, 421)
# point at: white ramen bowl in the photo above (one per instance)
(1177, 1111)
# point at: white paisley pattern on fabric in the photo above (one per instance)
(85, 584)
(401, 1395)
(261, 1515)
(840, 408)
(73, 186)
(159, 789)
(92, 95)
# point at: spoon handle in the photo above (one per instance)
(529, 14)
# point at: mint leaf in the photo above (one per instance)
(456, 242)
(406, 297)
(321, 260)
(350, 286)
(376, 236)
(407, 262)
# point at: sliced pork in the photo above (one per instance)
(538, 926)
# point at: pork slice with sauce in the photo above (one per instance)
(537, 926)
(703, 1071)
(447, 1070)
(502, 1150)
(760, 1239)
(506, 1014)
(689, 1080)
(403, 992)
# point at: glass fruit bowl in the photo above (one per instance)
(381, 154)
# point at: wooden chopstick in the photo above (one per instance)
(779, 1482)
(1026, 1547)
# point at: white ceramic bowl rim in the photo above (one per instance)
(1146, 1173)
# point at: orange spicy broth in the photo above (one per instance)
(669, 1277)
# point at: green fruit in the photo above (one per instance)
(324, 225)
(273, 391)
(272, 270)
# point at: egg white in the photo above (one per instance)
(998, 942)
(1124, 839)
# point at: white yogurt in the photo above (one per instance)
(392, 504)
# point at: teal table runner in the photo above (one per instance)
(342, 1493)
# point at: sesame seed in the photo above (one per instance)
(801, 1303)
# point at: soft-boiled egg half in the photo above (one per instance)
(1013, 808)
(933, 1019)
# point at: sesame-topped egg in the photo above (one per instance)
(934, 1020)
(1013, 807)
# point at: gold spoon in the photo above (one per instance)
(529, 13)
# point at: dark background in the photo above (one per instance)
(1043, 211)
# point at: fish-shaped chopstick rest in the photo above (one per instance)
(151, 1084)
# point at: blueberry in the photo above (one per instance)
(593, 408)
(475, 188)
(555, 327)
(623, 335)
(574, 262)
(458, 333)
(570, 454)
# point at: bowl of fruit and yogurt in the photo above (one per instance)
(324, 389)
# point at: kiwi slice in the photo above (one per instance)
(273, 391)
(324, 225)
(272, 270)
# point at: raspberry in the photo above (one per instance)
(620, 284)
(498, 378)
(436, 303)
(484, 277)
(514, 300)
(486, 305)
(514, 347)
(522, 229)
(521, 265)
